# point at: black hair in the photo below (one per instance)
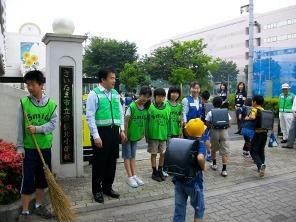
(248, 102)
(35, 75)
(193, 84)
(223, 84)
(174, 89)
(159, 92)
(205, 95)
(145, 90)
(103, 73)
(217, 102)
(244, 88)
(258, 99)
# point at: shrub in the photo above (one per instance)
(10, 173)
(269, 103)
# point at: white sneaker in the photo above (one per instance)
(132, 182)
(224, 173)
(214, 167)
(138, 180)
(165, 174)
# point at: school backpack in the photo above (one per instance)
(265, 119)
(220, 118)
(208, 107)
(180, 158)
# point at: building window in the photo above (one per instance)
(258, 41)
(247, 31)
(247, 55)
(247, 43)
(289, 21)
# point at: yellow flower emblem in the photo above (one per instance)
(34, 58)
(29, 62)
(26, 55)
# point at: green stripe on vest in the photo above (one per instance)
(37, 115)
(136, 123)
(158, 122)
(109, 110)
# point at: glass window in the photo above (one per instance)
(274, 38)
(294, 21)
(289, 21)
(289, 36)
(294, 36)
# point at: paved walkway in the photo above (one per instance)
(242, 196)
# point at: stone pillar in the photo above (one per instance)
(64, 85)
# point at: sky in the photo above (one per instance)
(145, 22)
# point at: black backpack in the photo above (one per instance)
(208, 107)
(180, 158)
(265, 119)
(220, 118)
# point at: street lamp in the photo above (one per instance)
(250, 8)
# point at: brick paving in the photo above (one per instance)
(242, 196)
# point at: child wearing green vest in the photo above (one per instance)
(175, 129)
(135, 120)
(41, 112)
(158, 131)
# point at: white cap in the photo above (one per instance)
(285, 86)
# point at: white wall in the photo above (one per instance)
(10, 100)
(13, 44)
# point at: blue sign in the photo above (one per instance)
(271, 68)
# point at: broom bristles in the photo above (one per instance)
(60, 203)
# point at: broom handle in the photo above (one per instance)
(35, 141)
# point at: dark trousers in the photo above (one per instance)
(104, 159)
(257, 148)
(247, 144)
(239, 122)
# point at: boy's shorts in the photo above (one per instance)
(129, 150)
(156, 146)
(33, 174)
(248, 133)
(219, 141)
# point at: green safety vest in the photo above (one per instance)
(286, 102)
(158, 122)
(136, 123)
(175, 119)
(109, 110)
(37, 115)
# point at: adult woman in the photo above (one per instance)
(222, 92)
(240, 97)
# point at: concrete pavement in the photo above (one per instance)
(242, 196)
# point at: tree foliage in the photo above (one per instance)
(108, 52)
(189, 55)
(132, 76)
(226, 72)
(181, 76)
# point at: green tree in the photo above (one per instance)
(226, 72)
(132, 76)
(181, 76)
(187, 55)
(108, 52)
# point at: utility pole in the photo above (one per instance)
(250, 8)
(251, 48)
